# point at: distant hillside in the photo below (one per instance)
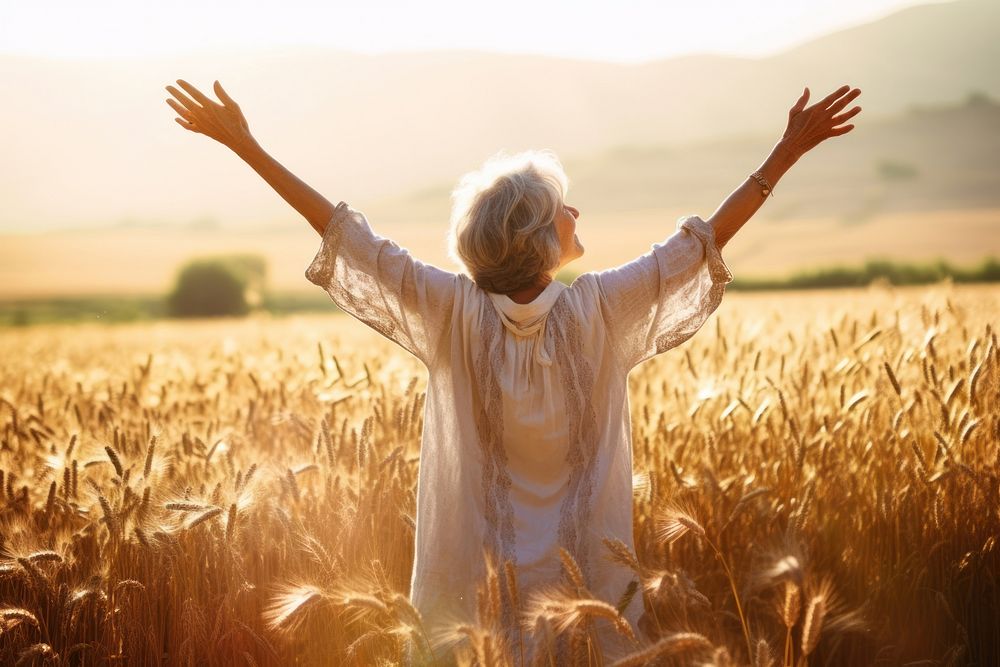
(95, 143)
(926, 159)
(917, 188)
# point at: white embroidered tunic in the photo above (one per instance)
(526, 444)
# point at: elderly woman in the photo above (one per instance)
(526, 444)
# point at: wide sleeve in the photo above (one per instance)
(379, 283)
(660, 299)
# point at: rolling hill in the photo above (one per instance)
(95, 144)
(919, 186)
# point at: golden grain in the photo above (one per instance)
(791, 605)
(848, 470)
(812, 624)
(673, 644)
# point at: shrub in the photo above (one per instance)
(892, 170)
(210, 287)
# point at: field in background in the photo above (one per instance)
(141, 262)
(242, 491)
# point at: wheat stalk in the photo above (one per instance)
(812, 624)
(671, 645)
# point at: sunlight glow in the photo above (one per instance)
(636, 31)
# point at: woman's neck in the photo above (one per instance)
(529, 294)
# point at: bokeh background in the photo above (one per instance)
(656, 109)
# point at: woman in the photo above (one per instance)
(526, 444)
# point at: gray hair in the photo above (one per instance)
(501, 220)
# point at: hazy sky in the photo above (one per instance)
(635, 30)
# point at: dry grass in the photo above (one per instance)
(816, 483)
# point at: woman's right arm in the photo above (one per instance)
(226, 124)
(807, 127)
(368, 276)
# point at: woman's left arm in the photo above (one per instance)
(806, 128)
(226, 124)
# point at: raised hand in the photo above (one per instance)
(808, 126)
(223, 122)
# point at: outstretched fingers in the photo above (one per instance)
(829, 99)
(197, 94)
(224, 96)
(184, 99)
(800, 104)
(837, 120)
(838, 106)
(186, 125)
(181, 111)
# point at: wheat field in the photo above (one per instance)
(817, 481)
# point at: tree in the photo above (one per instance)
(215, 286)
